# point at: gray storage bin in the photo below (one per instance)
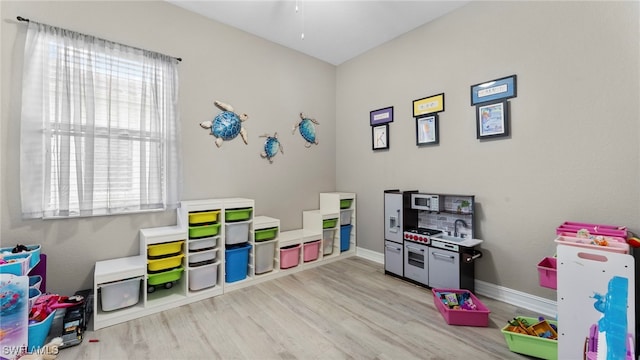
(200, 257)
(345, 217)
(327, 241)
(236, 233)
(265, 252)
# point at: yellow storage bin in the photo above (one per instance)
(164, 249)
(164, 263)
(203, 217)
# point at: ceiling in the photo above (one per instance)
(334, 31)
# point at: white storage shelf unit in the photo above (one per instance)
(235, 204)
(264, 223)
(331, 203)
(126, 268)
(313, 220)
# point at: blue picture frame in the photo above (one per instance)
(503, 88)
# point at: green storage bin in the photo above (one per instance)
(531, 345)
(203, 231)
(266, 234)
(237, 214)
(329, 223)
(345, 203)
(165, 277)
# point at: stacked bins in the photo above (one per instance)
(204, 230)
(346, 214)
(265, 249)
(237, 247)
(164, 264)
(328, 234)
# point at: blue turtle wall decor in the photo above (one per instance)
(307, 130)
(226, 125)
(271, 147)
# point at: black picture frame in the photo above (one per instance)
(381, 116)
(492, 90)
(380, 137)
(427, 130)
(492, 119)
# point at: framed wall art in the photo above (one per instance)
(427, 130)
(492, 119)
(503, 88)
(428, 105)
(380, 137)
(381, 116)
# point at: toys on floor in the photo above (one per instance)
(542, 328)
(47, 352)
(460, 301)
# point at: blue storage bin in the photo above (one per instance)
(38, 332)
(236, 262)
(345, 237)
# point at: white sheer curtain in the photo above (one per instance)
(99, 129)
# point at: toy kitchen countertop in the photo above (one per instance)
(465, 242)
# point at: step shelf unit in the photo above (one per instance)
(136, 267)
(330, 203)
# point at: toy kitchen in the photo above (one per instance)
(429, 239)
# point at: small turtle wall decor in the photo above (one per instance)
(307, 130)
(226, 125)
(271, 147)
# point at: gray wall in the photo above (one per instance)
(573, 150)
(267, 81)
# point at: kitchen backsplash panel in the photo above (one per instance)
(445, 222)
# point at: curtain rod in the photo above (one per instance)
(20, 18)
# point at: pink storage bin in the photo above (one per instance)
(548, 272)
(290, 256)
(594, 229)
(478, 317)
(613, 246)
(311, 251)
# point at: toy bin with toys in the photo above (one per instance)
(460, 307)
(533, 337)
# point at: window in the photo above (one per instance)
(99, 127)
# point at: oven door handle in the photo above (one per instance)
(390, 247)
(444, 256)
(414, 249)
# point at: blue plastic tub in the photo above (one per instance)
(38, 332)
(236, 262)
(345, 237)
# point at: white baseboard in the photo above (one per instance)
(536, 304)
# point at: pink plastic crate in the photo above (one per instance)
(311, 250)
(478, 317)
(594, 229)
(290, 256)
(548, 272)
(613, 246)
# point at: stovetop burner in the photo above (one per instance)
(425, 231)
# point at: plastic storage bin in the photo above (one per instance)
(593, 229)
(34, 250)
(35, 281)
(290, 256)
(120, 294)
(237, 214)
(202, 257)
(266, 234)
(164, 249)
(548, 273)
(311, 251)
(345, 217)
(166, 278)
(38, 332)
(164, 263)
(329, 223)
(203, 217)
(477, 317)
(203, 277)
(327, 241)
(612, 244)
(265, 253)
(345, 203)
(203, 244)
(236, 233)
(345, 237)
(18, 266)
(201, 231)
(236, 262)
(531, 345)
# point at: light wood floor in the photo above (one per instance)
(347, 309)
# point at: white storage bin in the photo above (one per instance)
(203, 277)
(265, 252)
(327, 241)
(204, 243)
(345, 217)
(236, 233)
(201, 256)
(120, 294)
